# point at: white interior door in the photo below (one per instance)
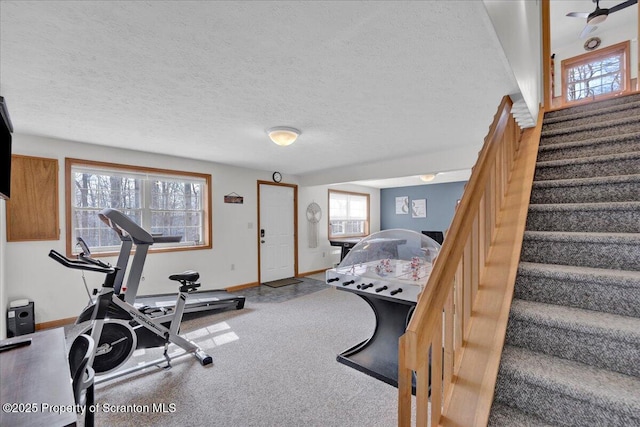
(276, 233)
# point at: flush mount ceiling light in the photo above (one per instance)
(428, 177)
(283, 135)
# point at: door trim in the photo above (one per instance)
(547, 97)
(295, 224)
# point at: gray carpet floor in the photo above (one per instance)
(572, 349)
(274, 364)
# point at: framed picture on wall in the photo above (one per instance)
(402, 205)
(419, 208)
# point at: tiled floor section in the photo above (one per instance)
(266, 294)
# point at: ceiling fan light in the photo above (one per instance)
(283, 135)
(427, 177)
(596, 19)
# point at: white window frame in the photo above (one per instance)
(365, 223)
(147, 177)
(620, 50)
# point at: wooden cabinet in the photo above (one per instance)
(32, 211)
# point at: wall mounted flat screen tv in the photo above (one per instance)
(5, 150)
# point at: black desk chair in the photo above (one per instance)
(82, 375)
(438, 236)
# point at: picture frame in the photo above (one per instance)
(234, 198)
(419, 208)
(402, 205)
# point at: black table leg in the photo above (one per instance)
(378, 356)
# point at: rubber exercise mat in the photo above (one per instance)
(282, 282)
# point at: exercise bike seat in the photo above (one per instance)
(186, 276)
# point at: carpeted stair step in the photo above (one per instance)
(566, 393)
(603, 114)
(598, 289)
(590, 147)
(617, 188)
(505, 416)
(595, 129)
(587, 108)
(572, 348)
(614, 217)
(599, 339)
(617, 251)
(588, 167)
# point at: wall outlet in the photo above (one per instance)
(233, 266)
(324, 254)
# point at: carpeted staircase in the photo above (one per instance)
(572, 349)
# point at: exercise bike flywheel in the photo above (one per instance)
(117, 343)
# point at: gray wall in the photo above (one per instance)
(441, 203)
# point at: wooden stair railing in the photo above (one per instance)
(464, 308)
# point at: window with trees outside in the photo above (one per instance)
(169, 204)
(601, 73)
(348, 214)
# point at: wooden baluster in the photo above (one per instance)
(495, 196)
(507, 162)
(466, 287)
(458, 304)
(422, 395)
(509, 159)
(404, 384)
(436, 374)
(516, 138)
(482, 237)
(475, 259)
(499, 172)
(448, 343)
(491, 196)
(505, 168)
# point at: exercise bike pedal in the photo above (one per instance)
(166, 357)
(168, 365)
(165, 365)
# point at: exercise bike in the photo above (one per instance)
(119, 328)
(137, 241)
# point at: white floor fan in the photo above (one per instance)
(314, 214)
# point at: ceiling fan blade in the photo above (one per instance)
(588, 29)
(580, 14)
(622, 5)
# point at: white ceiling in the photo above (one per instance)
(365, 81)
(384, 89)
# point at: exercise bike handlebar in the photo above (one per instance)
(82, 264)
(84, 258)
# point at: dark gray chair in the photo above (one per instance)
(82, 374)
(438, 236)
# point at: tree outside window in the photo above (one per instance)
(601, 73)
(172, 206)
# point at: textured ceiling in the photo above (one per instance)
(364, 81)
